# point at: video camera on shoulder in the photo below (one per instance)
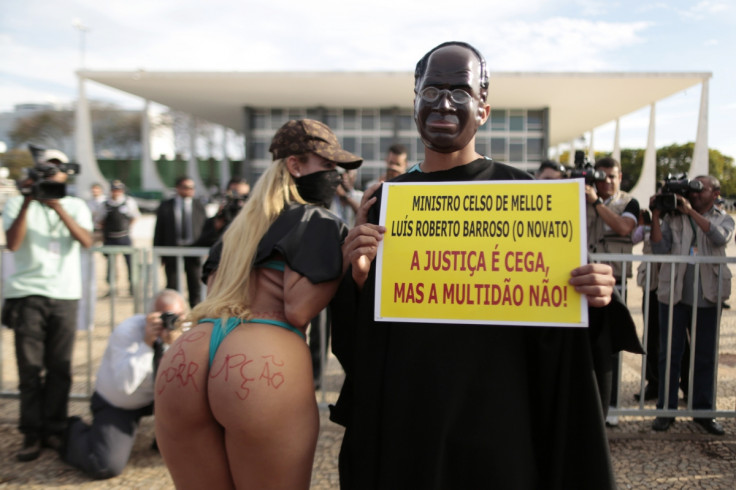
(584, 170)
(666, 200)
(43, 170)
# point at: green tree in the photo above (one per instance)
(15, 160)
(116, 132)
(48, 129)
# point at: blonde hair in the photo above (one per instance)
(229, 295)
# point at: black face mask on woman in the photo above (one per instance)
(319, 187)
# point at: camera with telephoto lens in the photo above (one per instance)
(43, 188)
(666, 200)
(169, 320)
(584, 170)
(231, 207)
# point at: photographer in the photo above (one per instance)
(696, 227)
(45, 229)
(612, 216)
(124, 389)
(235, 197)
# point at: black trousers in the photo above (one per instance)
(102, 449)
(45, 329)
(192, 269)
(315, 344)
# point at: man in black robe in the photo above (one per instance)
(438, 406)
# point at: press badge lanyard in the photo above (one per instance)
(694, 242)
(54, 242)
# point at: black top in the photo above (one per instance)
(308, 237)
(438, 406)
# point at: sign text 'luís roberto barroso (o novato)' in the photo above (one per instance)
(496, 253)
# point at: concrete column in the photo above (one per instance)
(192, 164)
(571, 160)
(699, 165)
(150, 179)
(591, 149)
(617, 141)
(89, 172)
(225, 162)
(647, 183)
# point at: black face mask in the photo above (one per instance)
(319, 187)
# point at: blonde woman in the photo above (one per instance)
(235, 404)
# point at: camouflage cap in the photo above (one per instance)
(297, 137)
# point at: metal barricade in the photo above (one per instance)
(146, 275)
(145, 265)
(649, 259)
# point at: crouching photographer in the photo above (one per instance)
(124, 389)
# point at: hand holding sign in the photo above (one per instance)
(361, 244)
(595, 281)
(359, 250)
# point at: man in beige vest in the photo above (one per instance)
(612, 216)
(698, 228)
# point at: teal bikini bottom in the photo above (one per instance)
(219, 333)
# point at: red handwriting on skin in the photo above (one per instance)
(239, 362)
(276, 379)
(177, 369)
(238, 366)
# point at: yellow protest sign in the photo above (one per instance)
(495, 253)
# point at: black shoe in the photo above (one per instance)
(648, 394)
(661, 424)
(31, 448)
(53, 441)
(711, 426)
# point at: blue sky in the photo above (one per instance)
(40, 48)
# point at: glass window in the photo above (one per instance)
(315, 114)
(368, 121)
(406, 122)
(482, 146)
(258, 120)
(386, 143)
(350, 144)
(368, 149)
(534, 148)
(260, 150)
(387, 119)
(278, 118)
(498, 148)
(420, 150)
(410, 153)
(516, 122)
(350, 119)
(331, 120)
(534, 119)
(498, 119)
(516, 150)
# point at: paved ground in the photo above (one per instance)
(685, 457)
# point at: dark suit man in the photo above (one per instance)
(179, 221)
